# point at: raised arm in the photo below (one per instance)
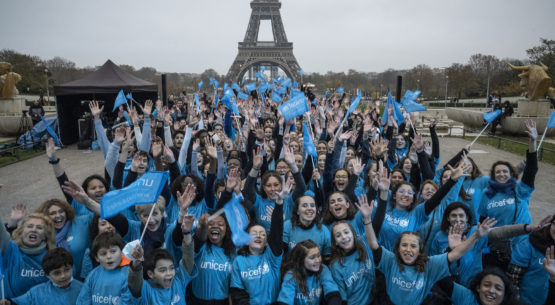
(456, 232)
(531, 168)
(145, 137)
(76, 192)
(508, 231)
(102, 139)
(249, 190)
(135, 277)
(366, 211)
(456, 173)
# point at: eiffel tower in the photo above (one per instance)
(271, 54)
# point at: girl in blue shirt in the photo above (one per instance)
(255, 271)
(305, 280)
(409, 272)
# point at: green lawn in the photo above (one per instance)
(13, 155)
(519, 149)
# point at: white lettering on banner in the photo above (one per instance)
(212, 265)
(404, 285)
(355, 276)
(314, 293)
(501, 203)
(402, 222)
(251, 274)
(32, 272)
(97, 298)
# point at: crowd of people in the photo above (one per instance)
(360, 212)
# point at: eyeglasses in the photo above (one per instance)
(408, 192)
(257, 234)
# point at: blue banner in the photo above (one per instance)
(234, 107)
(200, 85)
(242, 96)
(397, 113)
(286, 83)
(281, 90)
(250, 87)
(295, 92)
(295, 84)
(211, 81)
(260, 76)
(235, 87)
(129, 96)
(276, 97)
(216, 84)
(308, 144)
(262, 88)
(551, 122)
(120, 100)
(51, 132)
(238, 221)
(197, 105)
(340, 90)
(226, 99)
(144, 190)
(293, 107)
(355, 103)
(491, 116)
(409, 103)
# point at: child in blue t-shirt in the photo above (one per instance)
(107, 282)
(62, 289)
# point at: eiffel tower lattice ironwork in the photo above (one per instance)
(272, 54)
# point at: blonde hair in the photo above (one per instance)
(145, 208)
(17, 235)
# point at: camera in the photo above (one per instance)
(85, 103)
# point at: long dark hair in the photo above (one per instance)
(512, 170)
(393, 199)
(227, 243)
(295, 219)
(421, 260)
(509, 297)
(295, 264)
(179, 185)
(90, 178)
(267, 175)
(445, 224)
(338, 253)
(351, 209)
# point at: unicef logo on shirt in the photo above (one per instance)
(176, 299)
(419, 284)
(265, 268)
(404, 223)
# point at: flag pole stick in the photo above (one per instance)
(543, 136)
(312, 136)
(479, 134)
(147, 221)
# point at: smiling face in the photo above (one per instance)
(61, 276)
(33, 232)
(217, 230)
(282, 168)
(341, 180)
(58, 216)
(322, 148)
(272, 187)
(259, 239)
(404, 197)
(105, 226)
(163, 273)
(396, 178)
(321, 162)
(155, 219)
(313, 260)
(178, 140)
(407, 165)
(400, 142)
(350, 153)
(96, 189)
(343, 236)
(458, 217)
(306, 210)
(501, 173)
(143, 165)
(445, 176)
(338, 206)
(409, 249)
(109, 258)
(491, 290)
(428, 190)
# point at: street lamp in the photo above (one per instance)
(47, 89)
(446, 86)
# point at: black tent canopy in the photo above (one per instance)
(103, 84)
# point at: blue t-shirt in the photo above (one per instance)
(355, 279)
(470, 263)
(502, 206)
(462, 296)
(48, 294)
(258, 275)
(397, 221)
(21, 271)
(263, 208)
(294, 235)
(197, 209)
(318, 287)
(409, 286)
(86, 264)
(104, 286)
(175, 295)
(213, 269)
(78, 239)
(535, 283)
(134, 233)
(474, 188)
(357, 222)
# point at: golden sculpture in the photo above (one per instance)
(8, 80)
(535, 80)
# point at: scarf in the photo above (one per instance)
(153, 240)
(34, 250)
(61, 240)
(496, 187)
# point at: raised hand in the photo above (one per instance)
(456, 236)
(485, 226)
(50, 148)
(137, 252)
(211, 150)
(288, 155)
(316, 175)
(546, 221)
(383, 178)
(95, 110)
(75, 191)
(18, 212)
(417, 142)
(345, 135)
(170, 157)
(187, 222)
(357, 166)
(196, 144)
(186, 199)
(156, 147)
(549, 262)
(147, 109)
(232, 182)
(459, 171)
(119, 134)
(285, 190)
(531, 129)
(365, 208)
(134, 115)
(257, 158)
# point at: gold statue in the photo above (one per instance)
(535, 80)
(8, 80)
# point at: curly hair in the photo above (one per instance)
(338, 253)
(445, 224)
(421, 260)
(179, 185)
(45, 206)
(351, 209)
(512, 170)
(509, 296)
(17, 235)
(295, 264)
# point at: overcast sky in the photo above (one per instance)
(191, 36)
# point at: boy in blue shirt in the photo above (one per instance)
(62, 289)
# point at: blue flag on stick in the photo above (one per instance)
(200, 85)
(276, 97)
(293, 108)
(51, 132)
(340, 90)
(355, 103)
(308, 144)
(286, 83)
(226, 99)
(262, 69)
(491, 116)
(126, 116)
(197, 105)
(242, 96)
(120, 100)
(281, 90)
(129, 96)
(216, 84)
(262, 88)
(238, 221)
(551, 122)
(250, 87)
(235, 87)
(260, 76)
(409, 103)
(295, 84)
(234, 107)
(144, 190)
(211, 81)
(397, 113)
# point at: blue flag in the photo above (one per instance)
(250, 87)
(295, 92)
(243, 80)
(276, 97)
(271, 86)
(144, 190)
(211, 81)
(281, 90)
(242, 96)
(235, 87)
(260, 76)
(491, 116)
(295, 84)
(51, 132)
(340, 90)
(216, 84)
(120, 100)
(286, 83)
(200, 85)
(301, 72)
(225, 86)
(551, 122)
(262, 88)
(397, 113)
(409, 103)
(226, 99)
(293, 107)
(262, 69)
(129, 96)
(234, 107)
(308, 144)
(197, 105)
(355, 103)
(238, 221)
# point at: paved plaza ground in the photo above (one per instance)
(32, 181)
